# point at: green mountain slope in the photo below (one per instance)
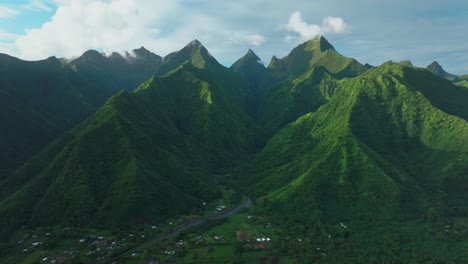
(289, 100)
(255, 73)
(378, 139)
(462, 83)
(144, 156)
(251, 67)
(40, 100)
(443, 94)
(302, 81)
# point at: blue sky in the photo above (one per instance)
(371, 31)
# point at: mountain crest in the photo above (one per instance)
(250, 55)
(250, 52)
(194, 43)
(195, 53)
(315, 52)
(318, 42)
(142, 52)
(435, 67)
(92, 54)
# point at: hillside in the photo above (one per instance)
(251, 68)
(39, 101)
(143, 156)
(302, 81)
(42, 99)
(377, 139)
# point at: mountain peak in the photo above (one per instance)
(194, 53)
(251, 55)
(318, 42)
(142, 51)
(249, 60)
(434, 63)
(406, 63)
(434, 66)
(437, 69)
(251, 52)
(92, 54)
(194, 44)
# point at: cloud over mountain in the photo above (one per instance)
(306, 31)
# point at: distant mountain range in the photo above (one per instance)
(314, 137)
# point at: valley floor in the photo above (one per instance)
(247, 236)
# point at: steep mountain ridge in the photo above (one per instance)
(143, 156)
(194, 53)
(375, 140)
(252, 69)
(314, 53)
(301, 82)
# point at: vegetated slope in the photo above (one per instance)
(237, 89)
(289, 100)
(144, 156)
(254, 72)
(462, 83)
(303, 81)
(443, 94)
(313, 53)
(38, 102)
(251, 67)
(378, 139)
(42, 99)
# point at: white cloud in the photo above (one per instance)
(79, 25)
(241, 38)
(334, 24)
(307, 31)
(7, 36)
(255, 39)
(38, 6)
(117, 25)
(6, 12)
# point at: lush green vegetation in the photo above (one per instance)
(345, 162)
(41, 100)
(144, 155)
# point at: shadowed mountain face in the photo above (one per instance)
(42, 99)
(145, 155)
(315, 138)
(251, 68)
(436, 69)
